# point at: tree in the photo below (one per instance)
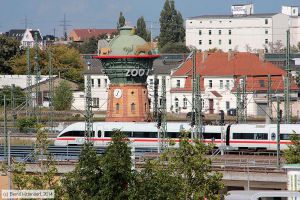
(121, 21)
(292, 154)
(184, 169)
(174, 48)
(171, 25)
(18, 93)
(63, 96)
(45, 177)
(141, 29)
(64, 60)
(116, 166)
(9, 47)
(84, 181)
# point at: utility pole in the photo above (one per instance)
(155, 102)
(278, 132)
(88, 107)
(29, 85)
(163, 112)
(244, 99)
(37, 78)
(50, 94)
(5, 130)
(269, 98)
(13, 104)
(287, 82)
(65, 25)
(238, 103)
(194, 93)
(198, 110)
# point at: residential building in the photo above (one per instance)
(243, 30)
(26, 37)
(221, 73)
(81, 35)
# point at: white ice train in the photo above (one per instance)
(236, 136)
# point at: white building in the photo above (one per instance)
(26, 37)
(243, 30)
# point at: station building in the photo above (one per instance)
(243, 30)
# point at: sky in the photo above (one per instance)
(47, 15)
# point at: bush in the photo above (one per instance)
(26, 124)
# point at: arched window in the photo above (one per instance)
(133, 107)
(117, 108)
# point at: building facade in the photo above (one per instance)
(243, 30)
(26, 37)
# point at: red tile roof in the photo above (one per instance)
(87, 33)
(219, 64)
(235, 64)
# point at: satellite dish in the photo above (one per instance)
(102, 44)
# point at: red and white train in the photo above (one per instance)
(236, 136)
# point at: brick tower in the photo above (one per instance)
(127, 61)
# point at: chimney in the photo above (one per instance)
(261, 55)
(204, 56)
(230, 55)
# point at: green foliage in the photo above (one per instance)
(292, 154)
(171, 25)
(45, 177)
(26, 123)
(9, 47)
(187, 175)
(64, 59)
(84, 181)
(63, 96)
(7, 91)
(116, 166)
(174, 48)
(141, 29)
(121, 21)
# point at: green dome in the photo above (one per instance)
(126, 43)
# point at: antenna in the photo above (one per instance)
(65, 25)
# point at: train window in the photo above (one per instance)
(110, 133)
(284, 136)
(212, 135)
(173, 134)
(250, 136)
(144, 135)
(99, 133)
(73, 134)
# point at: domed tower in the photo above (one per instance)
(127, 62)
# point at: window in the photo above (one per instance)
(284, 136)
(200, 32)
(220, 32)
(93, 83)
(133, 107)
(200, 42)
(250, 136)
(229, 41)
(209, 32)
(227, 84)
(184, 103)
(221, 84)
(229, 32)
(117, 108)
(262, 83)
(266, 41)
(209, 41)
(178, 83)
(151, 81)
(105, 82)
(266, 31)
(227, 105)
(211, 136)
(220, 42)
(210, 84)
(99, 83)
(96, 102)
(266, 21)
